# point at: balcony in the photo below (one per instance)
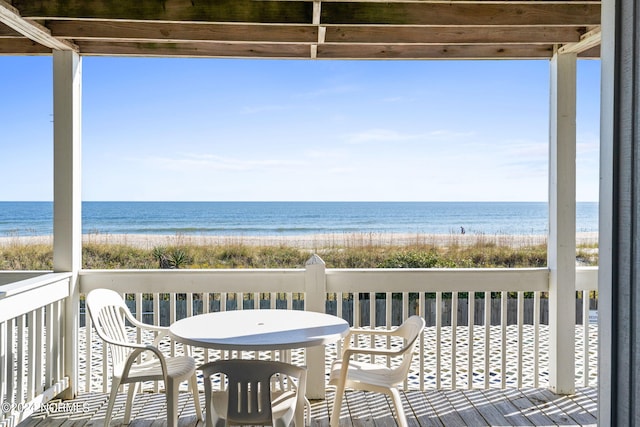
(482, 360)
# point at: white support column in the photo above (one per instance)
(561, 256)
(607, 373)
(67, 224)
(315, 296)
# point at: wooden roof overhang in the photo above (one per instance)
(303, 29)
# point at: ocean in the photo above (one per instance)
(294, 218)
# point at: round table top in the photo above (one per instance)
(259, 329)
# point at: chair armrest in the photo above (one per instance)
(163, 331)
(147, 326)
(358, 331)
(350, 351)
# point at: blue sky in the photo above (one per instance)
(213, 129)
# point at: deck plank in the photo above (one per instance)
(491, 415)
(431, 408)
(447, 414)
(529, 409)
(511, 413)
(421, 410)
(567, 405)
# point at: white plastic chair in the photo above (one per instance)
(372, 376)
(250, 398)
(108, 312)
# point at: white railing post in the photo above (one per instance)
(67, 210)
(315, 300)
(561, 256)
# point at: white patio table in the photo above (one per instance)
(260, 330)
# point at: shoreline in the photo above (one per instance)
(304, 241)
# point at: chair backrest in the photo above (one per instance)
(249, 387)
(410, 331)
(108, 311)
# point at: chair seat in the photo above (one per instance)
(178, 368)
(369, 373)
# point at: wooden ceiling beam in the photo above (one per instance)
(536, 51)
(8, 32)
(190, 49)
(474, 13)
(531, 12)
(32, 30)
(323, 51)
(172, 31)
(273, 33)
(457, 35)
(22, 46)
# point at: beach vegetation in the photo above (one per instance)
(97, 255)
(26, 257)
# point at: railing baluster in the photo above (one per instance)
(520, 336)
(438, 339)
(10, 376)
(387, 320)
(139, 316)
(223, 301)
(172, 318)
(20, 354)
(156, 322)
(57, 348)
(356, 309)
(471, 297)
(585, 337)
(372, 322)
(503, 338)
(4, 346)
(421, 312)
(536, 338)
(405, 306)
(339, 299)
(454, 340)
(487, 338)
(48, 378)
(205, 309)
(88, 357)
(31, 355)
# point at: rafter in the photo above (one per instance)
(32, 30)
(587, 41)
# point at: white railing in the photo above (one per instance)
(454, 352)
(32, 313)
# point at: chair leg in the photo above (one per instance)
(337, 404)
(112, 400)
(172, 390)
(131, 395)
(193, 381)
(397, 403)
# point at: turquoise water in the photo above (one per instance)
(294, 218)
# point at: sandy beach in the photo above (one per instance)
(309, 241)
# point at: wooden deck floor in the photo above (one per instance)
(526, 407)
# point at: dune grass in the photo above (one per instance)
(238, 255)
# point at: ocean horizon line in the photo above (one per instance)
(292, 218)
